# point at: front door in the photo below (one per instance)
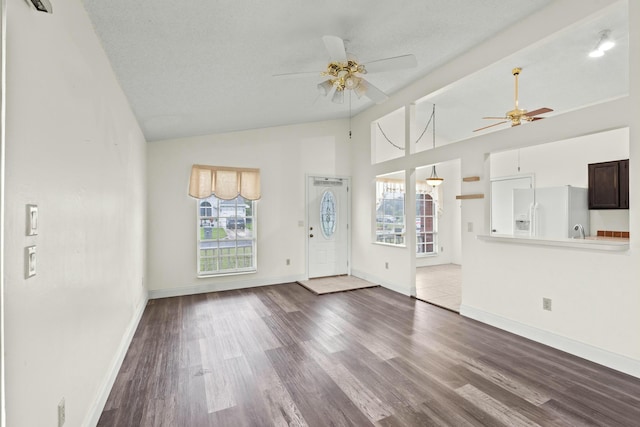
(328, 226)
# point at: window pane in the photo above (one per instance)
(426, 224)
(328, 216)
(226, 236)
(390, 227)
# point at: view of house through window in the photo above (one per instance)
(226, 236)
(390, 211)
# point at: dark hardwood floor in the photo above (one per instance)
(280, 355)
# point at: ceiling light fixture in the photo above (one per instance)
(342, 76)
(434, 180)
(604, 44)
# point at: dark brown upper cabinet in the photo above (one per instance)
(609, 185)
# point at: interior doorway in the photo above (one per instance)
(440, 285)
(439, 237)
(328, 226)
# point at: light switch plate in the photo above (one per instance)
(32, 220)
(30, 261)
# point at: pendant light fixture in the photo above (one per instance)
(434, 180)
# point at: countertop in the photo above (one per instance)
(610, 239)
(596, 243)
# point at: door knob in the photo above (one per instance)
(310, 235)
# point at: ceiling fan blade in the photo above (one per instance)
(495, 118)
(373, 93)
(533, 119)
(490, 126)
(389, 64)
(539, 111)
(335, 47)
(303, 74)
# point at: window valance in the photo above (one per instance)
(224, 182)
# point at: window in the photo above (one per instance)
(426, 218)
(390, 211)
(328, 214)
(226, 236)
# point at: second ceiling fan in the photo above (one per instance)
(345, 72)
(517, 115)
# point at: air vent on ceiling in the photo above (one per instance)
(43, 5)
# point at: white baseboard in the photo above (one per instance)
(369, 278)
(98, 406)
(220, 286)
(586, 351)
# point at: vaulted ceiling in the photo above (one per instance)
(203, 67)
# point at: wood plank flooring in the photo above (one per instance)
(280, 355)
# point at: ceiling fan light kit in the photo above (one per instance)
(344, 72)
(325, 87)
(342, 76)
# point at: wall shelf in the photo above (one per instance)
(470, 196)
(470, 178)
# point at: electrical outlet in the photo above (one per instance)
(288, 261)
(386, 265)
(61, 413)
(546, 304)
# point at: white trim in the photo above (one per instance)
(220, 286)
(598, 355)
(369, 278)
(3, 106)
(98, 405)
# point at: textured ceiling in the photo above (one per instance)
(204, 66)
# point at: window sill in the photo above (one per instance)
(392, 245)
(231, 273)
(427, 255)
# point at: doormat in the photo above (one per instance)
(329, 285)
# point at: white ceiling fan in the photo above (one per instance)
(345, 72)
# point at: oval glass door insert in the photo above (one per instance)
(328, 214)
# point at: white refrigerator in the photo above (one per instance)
(550, 212)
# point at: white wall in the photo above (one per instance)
(75, 150)
(562, 162)
(595, 295)
(284, 155)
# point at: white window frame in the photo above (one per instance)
(434, 232)
(218, 255)
(390, 230)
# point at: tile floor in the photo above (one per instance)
(440, 285)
